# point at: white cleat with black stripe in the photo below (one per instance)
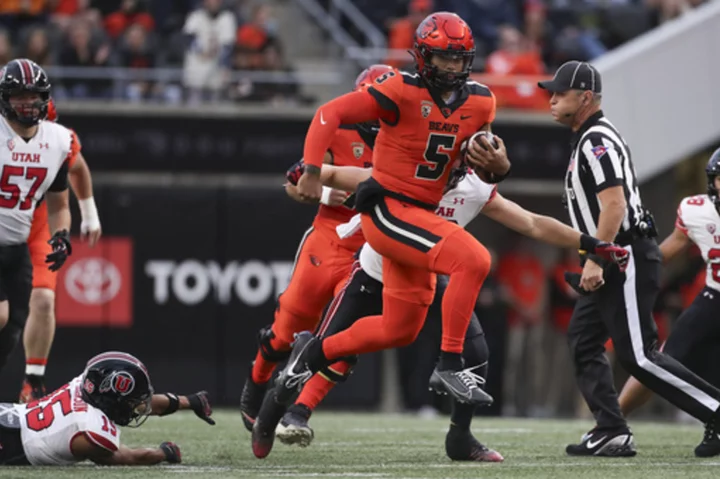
(613, 443)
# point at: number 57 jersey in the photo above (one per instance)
(700, 221)
(48, 426)
(28, 169)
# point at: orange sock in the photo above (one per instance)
(262, 368)
(320, 385)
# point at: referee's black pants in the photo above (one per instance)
(622, 310)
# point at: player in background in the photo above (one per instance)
(465, 197)
(321, 262)
(40, 328)
(695, 337)
(34, 163)
(80, 420)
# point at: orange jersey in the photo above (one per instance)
(351, 146)
(414, 153)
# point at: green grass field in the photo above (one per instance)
(395, 446)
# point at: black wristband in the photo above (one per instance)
(588, 243)
(173, 406)
(312, 170)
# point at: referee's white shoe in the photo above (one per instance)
(608, 443)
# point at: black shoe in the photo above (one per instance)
(33, 388)
(463, 385)
(710, 445)
(462, 446)
(297, 372)
(294, 428)
(263, 432)
(609, 443)
(251, 400)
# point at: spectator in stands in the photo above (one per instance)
(37, 47)
(64, 12)
(131, 12)
(6, 53)
(669, 9)
(16, 14)
(135, 52)
(484, 17)
(82, 51)
(402, 32)
(211, 33)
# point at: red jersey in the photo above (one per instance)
(351, 146)
(416, 148)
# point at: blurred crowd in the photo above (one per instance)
(211, 40)
(527, 37)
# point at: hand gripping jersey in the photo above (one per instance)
(700, 221)
(460, 205)
(49, 425)
(351, 146)
(414, 154)
(27, 171)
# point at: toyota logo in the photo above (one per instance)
(93, 281)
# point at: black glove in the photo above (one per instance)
(573, 279)
(295, 172)
(200, 404)
(172, 452)
(61, 247)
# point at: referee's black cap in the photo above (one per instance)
(574, 75)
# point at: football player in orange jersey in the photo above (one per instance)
(40, 327)
(426, 116)
(321, 263)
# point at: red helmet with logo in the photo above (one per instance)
(368, 76)
(444, 34)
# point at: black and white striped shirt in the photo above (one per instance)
(600, 159)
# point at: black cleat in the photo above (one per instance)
(263, 432)
(462, 446)
(251, 400)
(463, 386)
(608, 443)
(33, 388)
(297, 372)
(294, 428)
(710, 445)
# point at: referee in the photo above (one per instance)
(604, 201)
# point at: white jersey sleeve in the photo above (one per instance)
(460, 205)
(27, 170)
(49, 426)
(700, 221)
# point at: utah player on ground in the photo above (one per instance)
(466, 196)
(34, 156)
(322, 260)
(425, 118)
(40, 327)
(695, 337)
(80, 420)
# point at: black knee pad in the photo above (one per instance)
(266, 349)
(336, 377)
(9, 337)
(476, 355)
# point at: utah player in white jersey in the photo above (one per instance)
(80, 420)
(34, 156)
(695, 337)
(465, 197)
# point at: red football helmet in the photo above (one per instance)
(444, 34)
(368, 76)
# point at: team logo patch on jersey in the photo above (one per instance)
(425, 108)
(599, 151)
(711, 228)
(358, 149)
(11, 144)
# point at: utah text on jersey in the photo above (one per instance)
(28, 169)
(699, 220)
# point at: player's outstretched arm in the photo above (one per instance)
(346, 178)
(83, 449)
(169, 403)
(674, 244)
(81, 183)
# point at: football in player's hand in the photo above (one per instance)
(484, 175)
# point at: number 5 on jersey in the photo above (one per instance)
(437, 156)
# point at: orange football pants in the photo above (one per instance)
(416, 244)
(40, 248)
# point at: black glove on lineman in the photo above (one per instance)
(294, 173)
(172, 452)
(200, 404)
(61, 247)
